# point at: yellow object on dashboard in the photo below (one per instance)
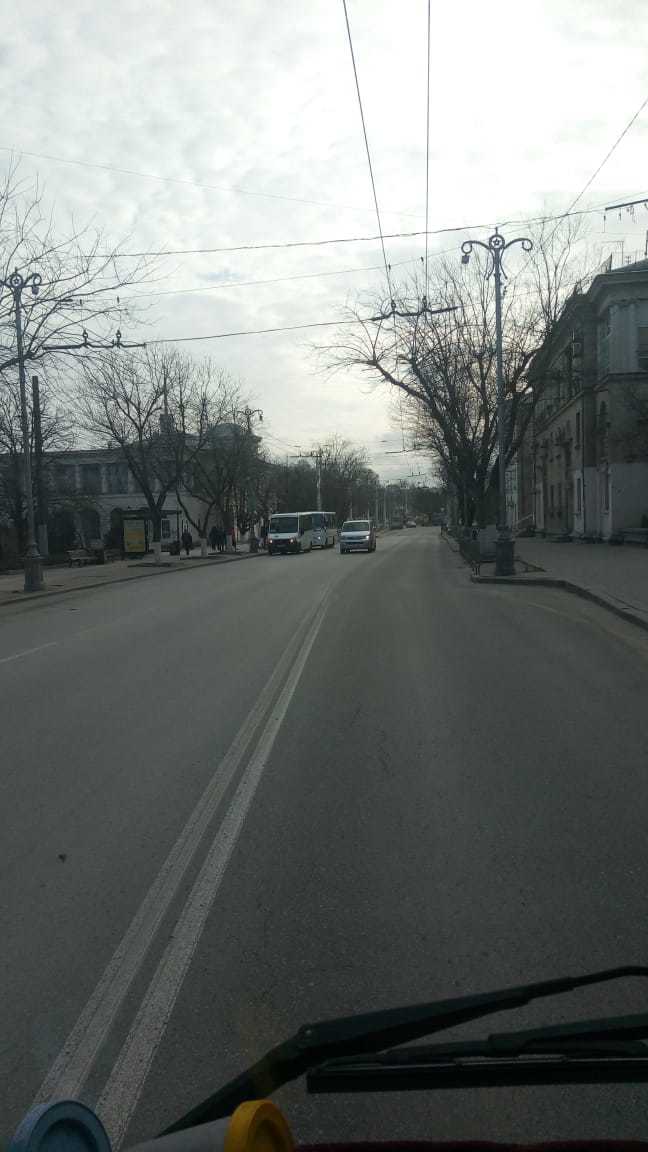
(258, 1126)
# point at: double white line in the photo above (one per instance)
(75, 1061)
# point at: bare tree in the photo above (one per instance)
(445, 365)
(226, 470)
(56, 435)
(80, 300)
(155, 407)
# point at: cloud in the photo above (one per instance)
(262, 96)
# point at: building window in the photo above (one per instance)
(579, 495)
(602, 428)
(604, 344)
(117, 476)
(578, 429)
(642, 348)
(91, 479)
(66, 478)
(166, 530)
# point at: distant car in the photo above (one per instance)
(410, 523)
(357, 536)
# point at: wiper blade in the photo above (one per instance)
(585, 1051)
(371, 1032)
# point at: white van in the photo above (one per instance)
(290, 532)
(325, 531)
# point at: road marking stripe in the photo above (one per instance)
(123, 1089)
(74, 1062)
(28, 652)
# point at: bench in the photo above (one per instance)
(81, 556)
(634, 536)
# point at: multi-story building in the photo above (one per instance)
(585, 446)
(90, 492)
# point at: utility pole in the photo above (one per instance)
(248, 413)
(16, 283)
(41, 513)
(495, 247)
(317, 457)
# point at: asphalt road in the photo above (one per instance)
(237, 799)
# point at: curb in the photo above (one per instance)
(581, 590)
(22, 598)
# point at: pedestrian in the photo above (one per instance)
(264, 535)
(213, 537)
(221, 539)
(187, 541)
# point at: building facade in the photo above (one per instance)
(585, 454)
(90, 492)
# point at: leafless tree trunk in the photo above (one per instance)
(56, 434)
(445, 365)
(155, 407)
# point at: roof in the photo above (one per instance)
(638, 266)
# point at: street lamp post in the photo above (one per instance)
(16, 283)
(496, 246)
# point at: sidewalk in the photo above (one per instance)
(616, 577)
(59, 580)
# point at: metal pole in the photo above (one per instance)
(504, 562)
(33, 560)
(495, 247)
(319, 481)
(41, 518)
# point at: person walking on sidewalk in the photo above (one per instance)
(213, 537)
(187, 541)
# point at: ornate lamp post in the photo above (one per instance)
(496, 246)
(16, 283)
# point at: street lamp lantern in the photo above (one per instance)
(495, 247)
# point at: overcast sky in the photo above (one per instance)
(258, 100)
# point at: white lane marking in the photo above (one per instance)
(123, 1089)
(28, 652)
(74, 1062)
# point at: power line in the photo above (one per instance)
(188, 181)
(366, 140)
(427, 153)
(547, 219)
(251, 332)
(274, 280)
(569, 211)
(266, 247)
(608, 154)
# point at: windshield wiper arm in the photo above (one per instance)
(584, 1051)
(371, 1032)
